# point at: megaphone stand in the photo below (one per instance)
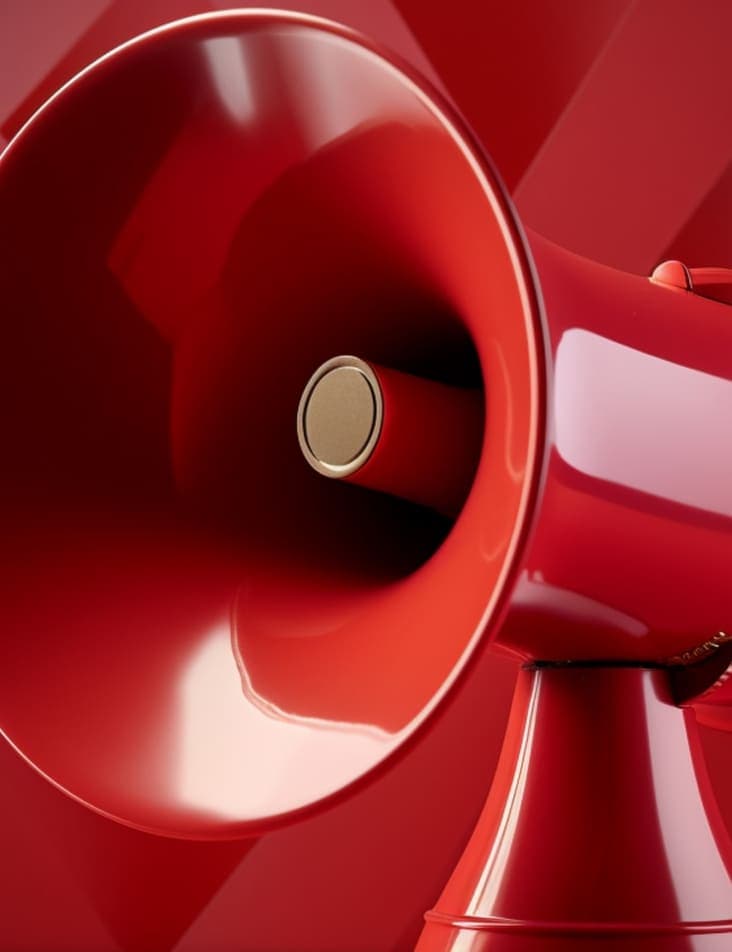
(600, 830)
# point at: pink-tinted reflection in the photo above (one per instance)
(643, 422)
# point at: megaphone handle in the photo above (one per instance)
(600, 832)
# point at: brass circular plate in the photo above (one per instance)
(339, 416)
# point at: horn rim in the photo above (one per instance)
(533, 307)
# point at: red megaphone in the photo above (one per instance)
(202, 636)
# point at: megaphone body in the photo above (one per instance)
(222, 637)
(633, 523)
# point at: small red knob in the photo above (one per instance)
(712, 283)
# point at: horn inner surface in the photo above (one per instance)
(214, 636)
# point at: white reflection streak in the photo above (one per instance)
(485, 894)
(241, 756)
(347, 91)
(227, 63)
(643, 422)
(464, 941)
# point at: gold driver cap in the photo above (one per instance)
(339, 416)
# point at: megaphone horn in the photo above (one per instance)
(222, 212)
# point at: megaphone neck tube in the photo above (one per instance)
(394, 432)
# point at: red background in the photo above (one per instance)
(610, 123)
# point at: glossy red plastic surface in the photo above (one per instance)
(429, 443)
(220, 636)
(380, 856)
(634, 536)
(601, 830)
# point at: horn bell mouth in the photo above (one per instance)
(202, 636)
